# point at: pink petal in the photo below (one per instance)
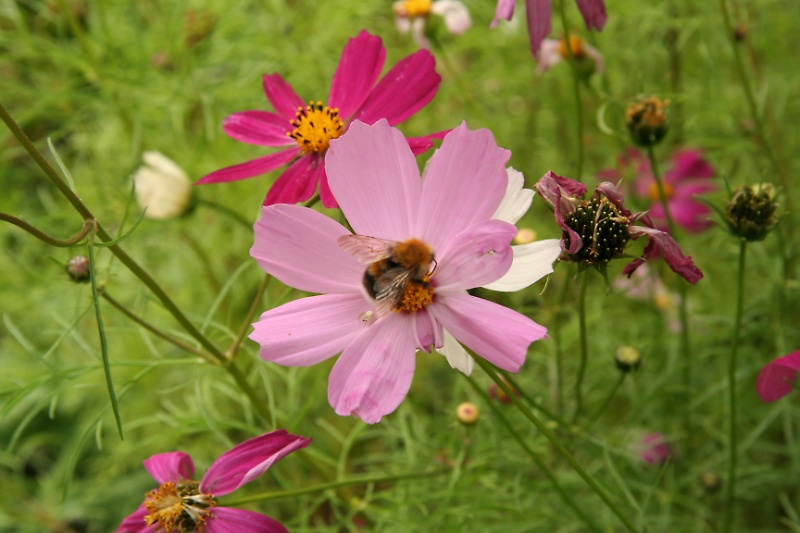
(134, 522)
(504, 10)
(298, 246)
(374, 373)
(556, 190)
(309, 330)
(664, 245)
(687, 190)
(690, 214)
(420, 145)
(594, 13)
(496, 333)
(170, 466)
(403, 91)
(297, 183)
(538, 18)
(282, 97)
(245, 462)
(250, 169)
(478, 255)
(228, 520)
(258, 127)
(465, 181)
(325, 193)
(375, 178)
(359, 68)
(776, 378)
(688, 164)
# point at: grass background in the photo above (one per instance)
(105, 81)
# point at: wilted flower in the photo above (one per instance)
(399, 283)
(538, 17)
(587, 58)
(182, 505)
(776, 379)
(309, 129)
(751, 211)
(646, 120)
(79, 269)
(597, 230)
(655, 449)
(161, 187)
(467, 413)
(413, 15)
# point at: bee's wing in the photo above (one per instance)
(389, 289)
(365, 249)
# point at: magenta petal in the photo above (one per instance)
(290, 243)
(594, 13)
(374, 373)
(250, 169)
(556, 190)
(325, 193)
(309, 330)
(403, 91)
(690, 214)
(282, 97)
(228, 520)
(134, 522)
(688, 164)
(538, 18)
(258, 127)
(776, 378)
(170, 466)
(496, 333)
(420, 145)
(504, 10)
(664, 245)
(476, 257)
(297, 183)
(359, 68)
(245, 462)
(465, 181)
(375, 178)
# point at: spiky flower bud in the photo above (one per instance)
(78, 269)
(467, 413)
(627, 358)
(646, 120)
(751, 211)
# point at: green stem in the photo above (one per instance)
(593, 484)
(576, 90)
(584, 345)
(533, 455)
(234, 348)
(42, 236)
(730, 493)
(533, 403)
(610, 397)
(361, 480)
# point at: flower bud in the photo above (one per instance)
(161, 187)
(627, 358)
(655, 449)
(751, 211)
(710, 481)
(467, 413)
(78, 269)
(525, 236)
(646, 120)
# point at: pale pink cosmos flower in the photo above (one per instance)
(182, 505)
(412, 16)
(777, 378)
(306, 130)
(538, 17)
(688, 175)
(448, 218)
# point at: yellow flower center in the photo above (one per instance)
(652, 191)
(178, 507)
(413, 8)
(647, 112)
(417, 295)
(315, 126)
(575, 44)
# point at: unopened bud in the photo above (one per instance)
(751, 211)
(467, 413)
(646, 120)
(628, 358)
(710, 481)
(78, 269)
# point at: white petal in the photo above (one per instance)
(531, 263)
(161, 187)
(516, 200)
(456, 355)
(549, 55)
(455, 14)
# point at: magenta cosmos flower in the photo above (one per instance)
(598, 229)
(687, 176)
(182, 505)
(306, 130)
(776, 379)
(538, 17)
(399, 283)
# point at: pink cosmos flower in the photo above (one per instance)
(538, 17)
(597, 230)
(399, 283)
(306, 131)
(688, 175)
(776, 379)
(655, 449)
(182, 505)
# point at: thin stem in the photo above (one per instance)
(593, 484)
(42, 236)
(730, 493)
(576, 90)
(251, 313)
(536, 459)
(360, 480)
(584, 345)
(610, 397)
(314, 199)
(533, 403)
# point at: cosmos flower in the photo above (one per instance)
(538, 17)
(412, 15)
(306, 130)
(776, 379)
(687, 175)
(399, 283)
(655, 449)
(182, 505)
(597, 230)
(161, 187)
(588, 58)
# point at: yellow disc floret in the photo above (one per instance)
(575, 45)
(178, 507)
(413, 8)
(417, 295)
(315, 126)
